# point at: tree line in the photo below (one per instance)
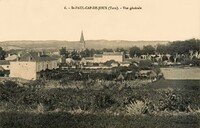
(174, 47)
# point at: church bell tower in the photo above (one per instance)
(82, 41)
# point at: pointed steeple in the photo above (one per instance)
(82, 38)
(82, 41)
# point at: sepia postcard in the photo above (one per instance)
(99, 64)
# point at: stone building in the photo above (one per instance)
(106, 56)
(30, 65)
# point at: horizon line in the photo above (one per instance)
(96, 40)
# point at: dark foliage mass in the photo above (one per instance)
(2, 54)
(65, 76)
(184, 46)
(180, 47)
(111, 97)
(66, 120)
(19, 101)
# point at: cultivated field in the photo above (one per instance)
(186, 73)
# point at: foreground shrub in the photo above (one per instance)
(136, 108)
(108, 96)
(79, 110)
(40, 108)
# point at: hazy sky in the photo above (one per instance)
(48, 20)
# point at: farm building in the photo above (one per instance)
(146, 74)
(106, 56)
(30, 65)
(87, 60)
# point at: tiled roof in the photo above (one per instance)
(34, 56)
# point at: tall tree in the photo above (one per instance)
(63, 51)
(148, 49)
(161, 48)
(135, 51)
(75, 55)
(121, 50)
(85, 53)
(2, 54)
(183, 47)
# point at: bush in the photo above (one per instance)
(136, 108)
(145, 64)
(107, 95)
(10, 90)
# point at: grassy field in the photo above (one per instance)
(181, 73)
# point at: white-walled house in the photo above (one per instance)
(87, 60)
(106, 56)
(30, 65)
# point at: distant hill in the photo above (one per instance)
(95, 44)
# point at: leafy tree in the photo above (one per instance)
(63, 51)
(183, 47)
(92, 52)
(121, 50)
(161, 48)
(107, 50)
(164, 58)
(75, 55)
(145, 64)
(195, 62)
(109, 62)
(2, 54)
(135, 51)
(148, 49)
(85, 53)
(98, 51)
